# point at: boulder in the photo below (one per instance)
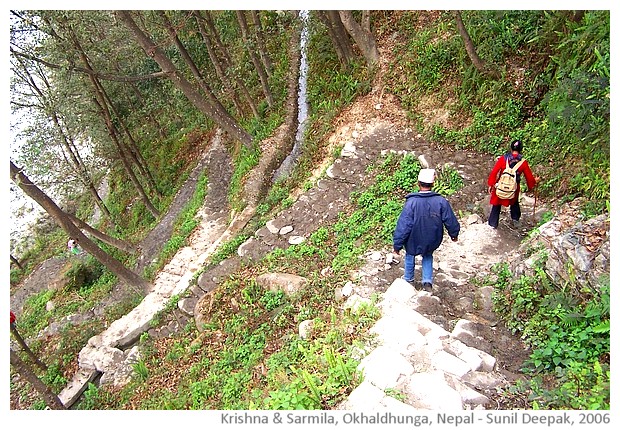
(286, 282)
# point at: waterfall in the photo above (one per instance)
(302, 102)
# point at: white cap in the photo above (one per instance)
(427, 176)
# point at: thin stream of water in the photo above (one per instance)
(302, 103)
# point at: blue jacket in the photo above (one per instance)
(420, 226)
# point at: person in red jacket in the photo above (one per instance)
(513, 157)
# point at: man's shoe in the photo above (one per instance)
(427, 286)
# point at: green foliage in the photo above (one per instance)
(245, 160)
(579, 386)
(429, 59)
(553, 93)
(448, 181)
(569, 338)
(15, 276)
(319, 383)
(83, 274)
(227, 249)
(276, 195)
(295, 397)
(91, 397)
(54, 378)
(35, 317)
(141, 370)
(271, 300)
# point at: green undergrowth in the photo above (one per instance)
(568, 329)
(249, 354)
(552, 92)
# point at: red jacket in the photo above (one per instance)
(500, 164)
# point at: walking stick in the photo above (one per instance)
(535, 198)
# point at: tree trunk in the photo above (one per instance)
(260, 41)
(366, 20)
(112, 241)
(133, 150)
(223, 119)
(218, 66)
(123, 154)
(16, 262)
(470, 48)
(190, 63)
(101, 100)
(51, 399)
(20, 340)
(227, 61)
(364, 39)
(262, 74)
(115, 266)
(338, 35)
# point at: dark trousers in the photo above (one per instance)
(515, 214)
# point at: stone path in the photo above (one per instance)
(111, 353)
(429, 367)
(108, 354)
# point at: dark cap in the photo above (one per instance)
(516, 145)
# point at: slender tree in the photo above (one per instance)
(478, 63)
(364, 39)
(260, 42)
(221, 118)
(190, 62)
(219, 67)
(132, 149)
(20, 340)
(251, 48)
(51, 399)
(115, 266)
(228, 63)
(338, 35)
(123, 151)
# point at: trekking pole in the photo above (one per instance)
(535, 198)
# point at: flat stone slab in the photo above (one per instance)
(74, 389)
(385, 367)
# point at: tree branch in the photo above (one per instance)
(103, 76)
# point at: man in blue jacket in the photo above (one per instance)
(420, 228)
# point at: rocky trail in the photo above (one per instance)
(109, 355)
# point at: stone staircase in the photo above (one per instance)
(417, 364)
